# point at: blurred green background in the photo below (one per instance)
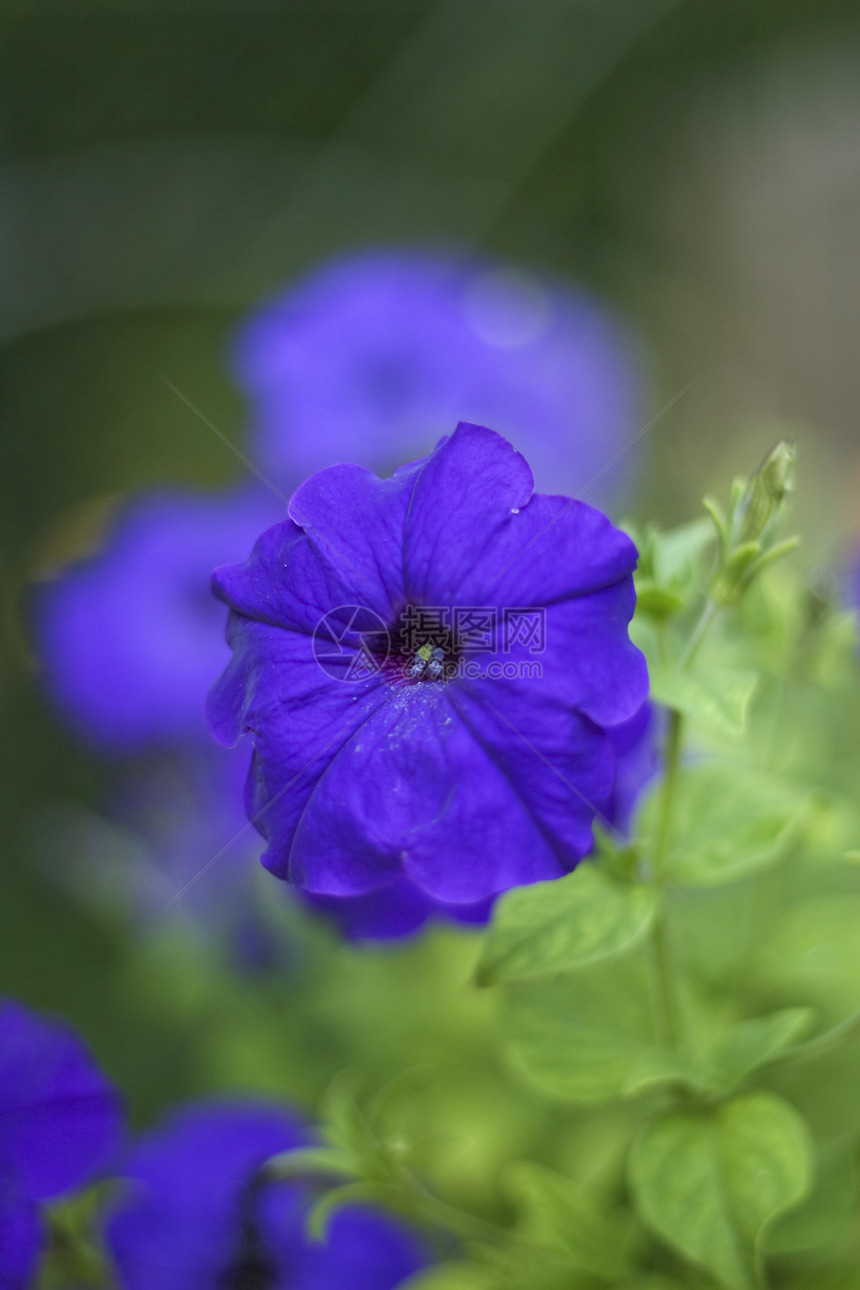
(167, 165)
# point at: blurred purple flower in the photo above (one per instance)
(200, 1216)
(131, 638)
(373, 356)
(60, 1121)
(371, 760)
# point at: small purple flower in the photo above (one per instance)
(130, 638)
(200, 1216)
(374, 356)
(59, 1122)
(428, 665)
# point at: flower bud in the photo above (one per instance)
(767, 490)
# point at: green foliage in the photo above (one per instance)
(590, 1036)
(655, 1086)
(711, 1182)
(561, 1213)
(717, 700)
(555, 926)
(668, 563)
(730, 820)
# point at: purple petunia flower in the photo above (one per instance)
(59, 1122)
(401, 908)
(372, 357)
(131, 637)
(428, 665)
(392, 911)
(200, 1217)
(636, 744)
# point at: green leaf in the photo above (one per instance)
(717, 700)
(558, 926)
(749, 1044)
(563, 1213)
(306, 1162)
(674, 554)
(711, 1183)
(589, 1037)
(655, 600)
(813, 954)
(730, 820)
(654, 1282)
(327, 1205)
(826, 1214)
(667, 567)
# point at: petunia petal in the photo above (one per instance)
(59, 1117)
(417, 790)
(179, 1227)
(20, 1238)
(462, 501)
(363, 1251)
(579, 654)
(477, 535)
(196, 1212)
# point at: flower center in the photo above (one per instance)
(428, 663)
(253, 1267)
(251, 1270)
(424, 646)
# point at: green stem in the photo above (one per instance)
(699, 633)
(663, 965)
(435, 1210)
(659, 937)
(672, 760)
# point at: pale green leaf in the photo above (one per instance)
(826, 1214)
(558, 926)
(749, 1044)
(676, 552)
(813, 954)
(729, 820)
(718, 699)
(589, 1037)
(561, 1212)
(711, 1183)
